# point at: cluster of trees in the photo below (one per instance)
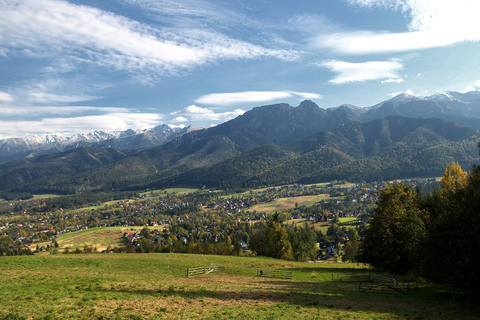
(9, 247)
(287, 243)
(435, 235)
(224, 248)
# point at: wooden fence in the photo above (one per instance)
(373, 283)
(201, 270)
(281, 274)
(383, 284)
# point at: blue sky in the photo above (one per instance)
(72, 67)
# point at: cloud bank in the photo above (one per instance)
(93, 36)
(432, 23)
(195, 113)
(363, 71)
(225, 99)
(81, 124)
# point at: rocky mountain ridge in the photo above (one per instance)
(35, 145)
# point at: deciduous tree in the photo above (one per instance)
(393, 236)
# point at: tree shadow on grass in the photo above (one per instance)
(340, 296)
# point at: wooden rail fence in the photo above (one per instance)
(201, 270)
(382, 284)
(373, 283)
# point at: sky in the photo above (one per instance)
(76, 66)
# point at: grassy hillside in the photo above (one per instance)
(154, 286)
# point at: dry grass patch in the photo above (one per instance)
(286, 203)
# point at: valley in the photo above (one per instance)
(279, 182)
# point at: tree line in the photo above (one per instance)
(436, 236)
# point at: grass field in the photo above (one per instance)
(96, 237)
(100, 238)
(155, 286)
(287, 203)
(45, 196)
(179, 190)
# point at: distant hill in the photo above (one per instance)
(19, 148)
(34, 173)
(266, 145)
(87, 169)
(461, 108)
(383, 149)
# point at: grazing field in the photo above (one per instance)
(287, 203)
(155, 286)
(346, 219)
(100, 238)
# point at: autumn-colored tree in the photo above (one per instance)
(451, 248)
(454, 178)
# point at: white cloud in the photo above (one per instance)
(113, 41)
(190, 13)
(56, 110)
(432, 23)
(241, 97)
(173, 126)
(307, 95)
(6, 97)
(398, 80)
(365, 42)
(180, 119)
(43, 97)
(311, 23)
(252, 96)
(409, 92)
(460, 16)
(203, 114)
(476, 85)
(363, 71)
(83, 124)
(55, 90)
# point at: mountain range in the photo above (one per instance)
(35, 145)
(402, 137)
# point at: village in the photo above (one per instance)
(208, 216)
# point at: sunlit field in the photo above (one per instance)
(155, 286)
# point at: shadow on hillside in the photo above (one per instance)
(342, 296)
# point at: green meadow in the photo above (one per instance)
(100, 238)
(287, 203)
(155, 286)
